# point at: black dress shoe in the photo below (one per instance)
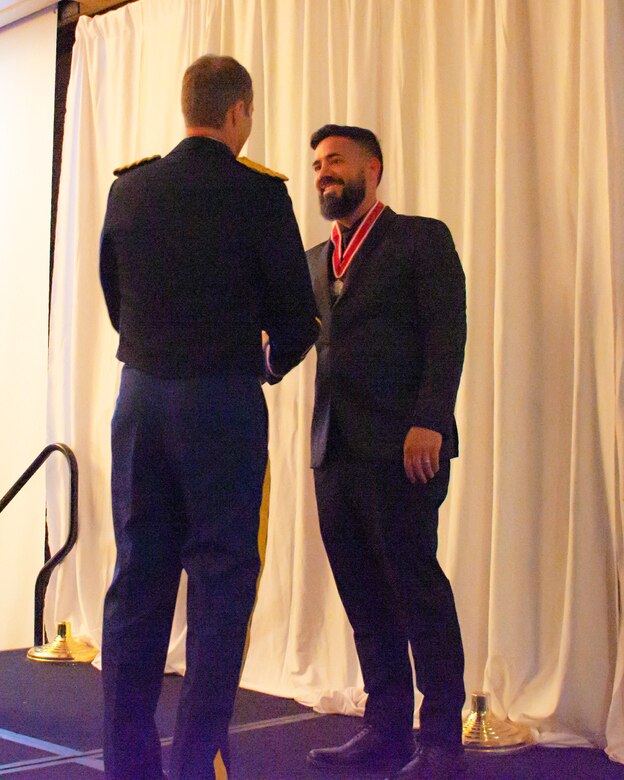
(370, 750)
(433, 762)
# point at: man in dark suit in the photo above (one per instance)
(199, 255)
(391, 294)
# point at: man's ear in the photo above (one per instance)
(238, 111)
(374, 166)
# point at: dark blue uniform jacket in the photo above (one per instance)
(199, 253)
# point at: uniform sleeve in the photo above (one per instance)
(289, 313)
(441, 299)
(108, 268)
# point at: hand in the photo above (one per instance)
(421, 454)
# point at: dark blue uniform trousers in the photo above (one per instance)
(189, 458)
(380, 533)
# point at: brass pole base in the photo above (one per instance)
(64, 649)
(485, 733)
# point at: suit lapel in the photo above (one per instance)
(321, 257)
(320, 282)
(374, 238)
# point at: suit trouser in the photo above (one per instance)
(189, 457)
(380, 533)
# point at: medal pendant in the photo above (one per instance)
(337, 287)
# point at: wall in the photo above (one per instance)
(27, 73)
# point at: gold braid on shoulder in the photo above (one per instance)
(261, 169)
(137, 164)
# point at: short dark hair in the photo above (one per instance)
(211, 85)
(365, 138)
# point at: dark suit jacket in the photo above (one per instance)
(198, 254)
(391, 348)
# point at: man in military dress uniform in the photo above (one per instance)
(391, 293)
(199, 255)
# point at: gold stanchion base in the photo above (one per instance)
(484, 733)
(64, 649)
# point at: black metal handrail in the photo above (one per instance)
(44, 575)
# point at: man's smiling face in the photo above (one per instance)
(340, 176)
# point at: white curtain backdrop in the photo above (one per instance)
(504, 119)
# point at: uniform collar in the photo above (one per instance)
(204, 142)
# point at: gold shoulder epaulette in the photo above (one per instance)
(137, 164)
(261, 169)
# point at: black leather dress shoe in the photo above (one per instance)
(370, 750)
(433, 762)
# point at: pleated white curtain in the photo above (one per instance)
(505, 120)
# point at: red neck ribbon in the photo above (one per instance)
(342, 261)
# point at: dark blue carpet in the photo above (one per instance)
(62, 704)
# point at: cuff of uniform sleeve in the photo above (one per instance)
(429, 423)
(267, 362)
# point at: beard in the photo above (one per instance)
(339, 206)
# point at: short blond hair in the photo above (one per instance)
(211, 85)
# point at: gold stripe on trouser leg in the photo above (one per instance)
(219, 767)
(263, 529)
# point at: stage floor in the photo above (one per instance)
(51, 727)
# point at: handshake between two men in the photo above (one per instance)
(197, 251)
